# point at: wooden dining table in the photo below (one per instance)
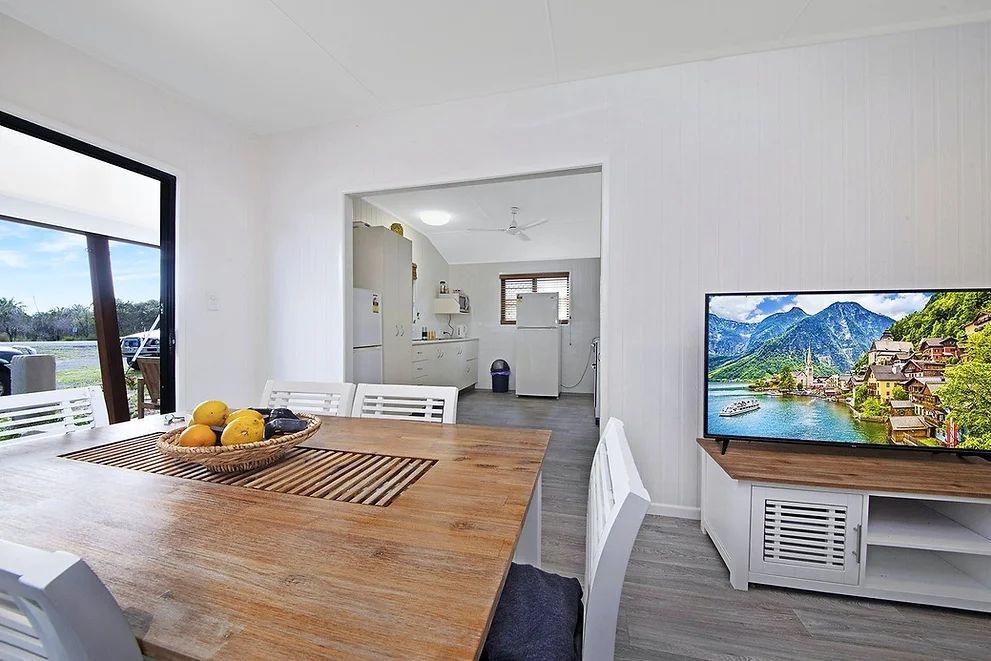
(210, 570)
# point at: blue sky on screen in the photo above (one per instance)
(46, 269)
(752, 309)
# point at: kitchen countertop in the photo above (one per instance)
(445, 339)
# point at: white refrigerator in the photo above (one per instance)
(538, 345)
(366, 337)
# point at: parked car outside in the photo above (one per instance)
(131, 344)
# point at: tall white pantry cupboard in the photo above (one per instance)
(383, 262)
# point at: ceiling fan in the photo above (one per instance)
(514, 229)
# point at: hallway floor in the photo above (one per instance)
(677, 601)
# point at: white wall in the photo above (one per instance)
(431, 267)
(220, 248)
(849, 165)
(481, 282)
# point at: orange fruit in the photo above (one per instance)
(245, 429)
(196, 435)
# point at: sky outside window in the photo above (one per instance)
(45, 269)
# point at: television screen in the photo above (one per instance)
(907, 369)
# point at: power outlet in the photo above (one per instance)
(213, 302)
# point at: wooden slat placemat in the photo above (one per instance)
(351, 477)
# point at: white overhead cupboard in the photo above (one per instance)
(451, 362)
(383, 263)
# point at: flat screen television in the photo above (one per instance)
(902, 369)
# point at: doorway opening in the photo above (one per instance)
(489, 284)
(87, 237)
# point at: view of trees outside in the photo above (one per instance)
(46, 300)
(74, 322)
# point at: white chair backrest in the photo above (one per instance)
(617, 504)
(52, 606)
(52, 412)
(417, 403)
(310, 397)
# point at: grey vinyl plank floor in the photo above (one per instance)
(677, 601)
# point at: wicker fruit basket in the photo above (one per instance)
(234, 458)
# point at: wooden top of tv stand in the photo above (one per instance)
(897, 471)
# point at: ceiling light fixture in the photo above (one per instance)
(435, 217)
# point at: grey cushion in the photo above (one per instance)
(539, 617)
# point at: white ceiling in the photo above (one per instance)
(572, 204)
(273, 65)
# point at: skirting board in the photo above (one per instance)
(677, 511)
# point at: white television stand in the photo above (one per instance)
(904, 526)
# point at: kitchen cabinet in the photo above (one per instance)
(383, 262)
(446, 363)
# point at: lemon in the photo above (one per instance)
(245, 429)
(251, 413)
(197, 436)
(212, 412)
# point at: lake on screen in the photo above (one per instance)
(789, 416)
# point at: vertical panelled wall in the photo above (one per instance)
(860, 164)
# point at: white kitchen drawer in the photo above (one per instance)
(469, 374)
(466, 350)
(446, 364)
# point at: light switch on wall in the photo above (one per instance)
(213, 302)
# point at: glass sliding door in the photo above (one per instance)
(137, 289)
(46, 305)
(88, 236)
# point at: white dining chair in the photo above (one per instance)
(310, 397)
(52, 412)
(540, 614)
(52, 606)
(398, 402)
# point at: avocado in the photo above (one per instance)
(275, 414)
(284, 426)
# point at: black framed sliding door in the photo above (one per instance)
(101, 269)
(167, 245)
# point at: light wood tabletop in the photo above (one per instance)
(214, 571)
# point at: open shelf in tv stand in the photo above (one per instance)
(870, 523)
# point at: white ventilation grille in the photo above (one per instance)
(805, 534)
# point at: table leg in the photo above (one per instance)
(528, 548)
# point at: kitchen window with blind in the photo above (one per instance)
(511, 284)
